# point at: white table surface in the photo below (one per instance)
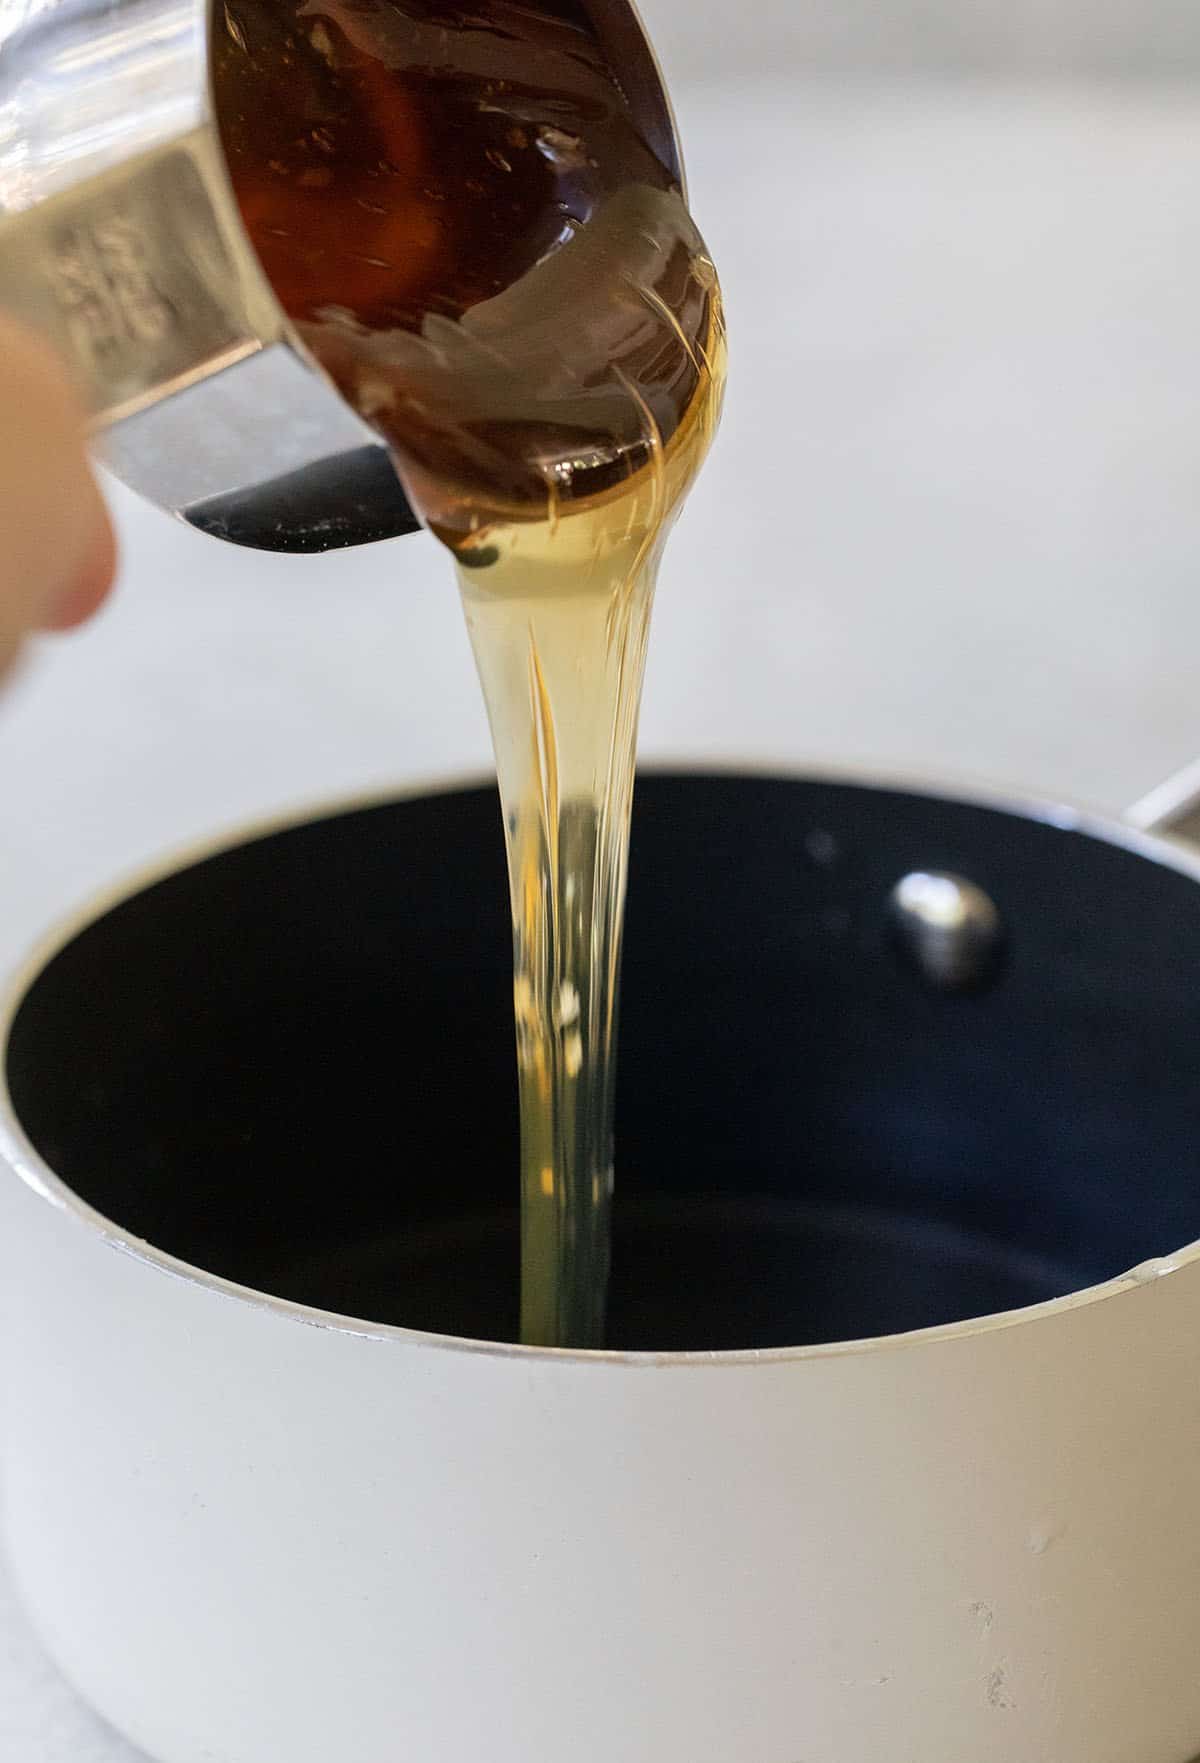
(953, 525)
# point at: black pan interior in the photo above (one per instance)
(292, 1065)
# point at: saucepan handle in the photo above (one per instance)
(1172, 807)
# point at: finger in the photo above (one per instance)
(56, 544)
(92, 581)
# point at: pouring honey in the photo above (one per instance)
(482, 237)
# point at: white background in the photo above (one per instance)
(952, 525)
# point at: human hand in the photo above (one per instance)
(57, 551)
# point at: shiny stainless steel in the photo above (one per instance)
(948, 928)
(143, 278)
(123, 242)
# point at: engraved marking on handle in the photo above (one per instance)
(102, 278)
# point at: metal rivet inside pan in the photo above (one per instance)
(948, 929)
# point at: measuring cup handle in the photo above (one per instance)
(142, 276)
(202, 396)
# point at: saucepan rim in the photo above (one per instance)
(39, 1178)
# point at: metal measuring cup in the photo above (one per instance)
(124, 244)
(122, 240)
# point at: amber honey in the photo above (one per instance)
(475, 234)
